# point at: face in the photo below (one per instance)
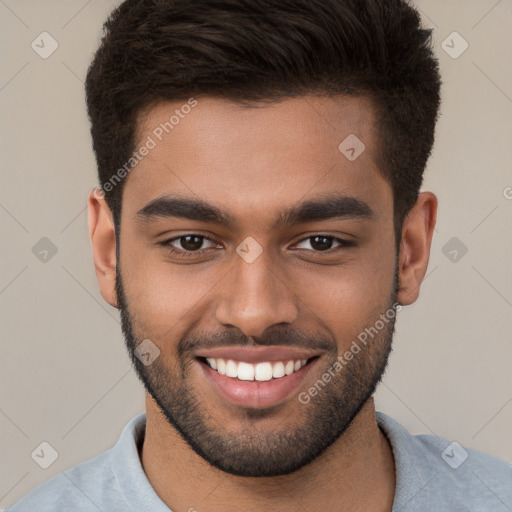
(288, 253)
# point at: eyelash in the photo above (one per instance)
(344, 244)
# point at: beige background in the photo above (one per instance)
(64, 375)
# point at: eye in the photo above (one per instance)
(323, 243)
(192, 244)
(187, 245)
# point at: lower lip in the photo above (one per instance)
(255, 394)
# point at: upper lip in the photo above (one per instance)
(257, 354)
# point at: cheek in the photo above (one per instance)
(349, 297)
(161, 294)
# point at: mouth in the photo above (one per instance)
(255, 384)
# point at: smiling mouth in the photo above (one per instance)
(261, 371)
(257, 382)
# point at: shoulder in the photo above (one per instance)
(83, 487)
(434, 472)
(100, 483)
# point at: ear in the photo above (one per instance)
(417, 233)
(103, 240)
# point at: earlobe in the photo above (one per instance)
(103, 241)
(417, 233)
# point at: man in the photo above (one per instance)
(259, 225)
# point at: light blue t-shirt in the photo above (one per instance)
(432, 474)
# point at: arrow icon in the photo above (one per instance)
(454, 455)
(147, 352)
(44, 45)
(351, 147)
(44, 455)
(454, 45)
(249, 249)
(454, 249)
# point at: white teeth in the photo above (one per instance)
(231, 368)
(278, 370)
(221, 366)
(261, 371)
(245, 371)
(288, 369)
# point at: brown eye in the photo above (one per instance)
(187, 245)
(322, 243)
(191, 242)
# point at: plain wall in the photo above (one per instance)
(64, 375)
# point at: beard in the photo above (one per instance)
(249, 451)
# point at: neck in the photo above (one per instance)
(356, 472)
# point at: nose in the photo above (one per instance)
(255, 296)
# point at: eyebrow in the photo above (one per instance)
(322, 208)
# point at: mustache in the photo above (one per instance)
(282, 337)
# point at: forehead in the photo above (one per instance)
(256, 161)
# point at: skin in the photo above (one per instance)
(252, 163)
